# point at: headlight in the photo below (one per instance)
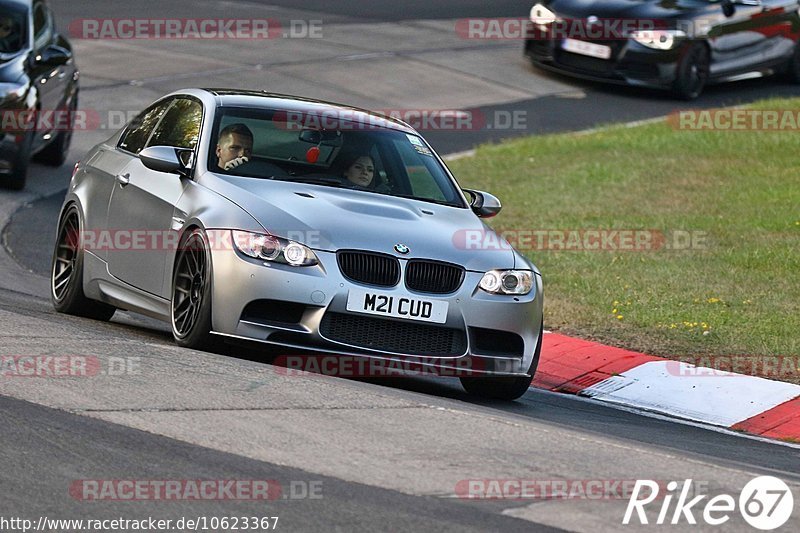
(12, 90)
(275, 249)
(542, 17)
(507, 281)
(658, 39)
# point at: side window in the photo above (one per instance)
(181, 125)
(39, 20)
(42, 26)
(140, 128)
(13, 28)
(51, 20)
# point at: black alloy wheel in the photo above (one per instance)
(66, 272)
(191, 293)
(693, 72)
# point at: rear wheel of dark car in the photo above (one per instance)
(66, 272)
(55, 154)
(693, 72)
(18, 175)
(191, 293)
(504, 388)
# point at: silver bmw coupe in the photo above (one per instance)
(250, 216)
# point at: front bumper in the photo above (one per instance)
(630, 63)
(16, 132)
(305, 308)
(10, 147)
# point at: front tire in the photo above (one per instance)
(504, 388)
(190, 313)
(66, 272)
(693, 72)
(793, 67)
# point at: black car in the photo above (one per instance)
(681, 45)
(38, 90)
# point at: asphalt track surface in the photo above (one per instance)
(388, 454)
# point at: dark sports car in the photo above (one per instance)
(38, 90)
(681, 45)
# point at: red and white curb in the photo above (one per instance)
(742, 403)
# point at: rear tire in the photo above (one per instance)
(504, 388)
(66, 272)
(693, 72)
(190, 308)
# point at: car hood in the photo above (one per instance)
(631, 9)
(331, 219)
(11, 71)
(12, 66)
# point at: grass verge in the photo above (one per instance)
(730, 298)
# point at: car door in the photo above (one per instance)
(776, 24)
(66, 69)
(143, 203)
(44, 76)
(736, 43)
(105, 163)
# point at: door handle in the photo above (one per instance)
(123, 179)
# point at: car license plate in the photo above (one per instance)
(374, 303)
(586, 49)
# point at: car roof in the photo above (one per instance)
(17, 3)
(286, 102)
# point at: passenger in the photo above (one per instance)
(234, 146)
(360, 171)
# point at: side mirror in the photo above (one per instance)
(728, 9)
(53, 56)
(310, 136)
(483, 204)
(729, 6)
(163, 159)
(318, 137)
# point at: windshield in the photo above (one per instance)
(293, 146)
(12, 28)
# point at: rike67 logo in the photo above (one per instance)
(766, 503)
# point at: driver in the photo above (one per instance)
(9, 35)
(234, 147)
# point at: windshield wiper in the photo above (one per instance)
(316, 180)
(431, 200)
